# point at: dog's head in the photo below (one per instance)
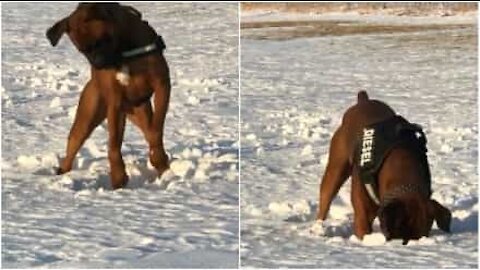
(94, 29)
(412, 218)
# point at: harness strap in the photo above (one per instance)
(141, 50)
(372, 194)
(157, 45)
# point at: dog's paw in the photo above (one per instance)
(57, 170)
(318, 228)
(331, 228)
(60, 170)
(373, 239)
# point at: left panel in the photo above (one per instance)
(185, 218)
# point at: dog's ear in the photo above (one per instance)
(55, 32)
(442, 215)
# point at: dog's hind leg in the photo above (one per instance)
(141, 116)
(158, 156)
(90, 113)
(337, 171)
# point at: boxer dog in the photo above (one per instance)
(396, 186)
(127, 68)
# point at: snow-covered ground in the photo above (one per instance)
(293, 95)
(76, 220)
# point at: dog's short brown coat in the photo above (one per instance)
(102, 32)
(410, 215)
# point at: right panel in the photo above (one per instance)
(302, 67)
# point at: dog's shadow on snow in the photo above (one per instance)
(465, 225)
(344, 229)
(306, 222)
(140, 176)
(305, 216)
(92, 173)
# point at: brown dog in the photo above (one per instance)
(401, 193)
(127, 68)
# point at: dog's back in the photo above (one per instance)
(366, 112)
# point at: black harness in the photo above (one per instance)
(157, 46)
(109, 59)
(376, 142)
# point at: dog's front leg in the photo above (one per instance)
(158, 157)
(90, 113)
(116, 126)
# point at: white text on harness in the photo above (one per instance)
(367, 146)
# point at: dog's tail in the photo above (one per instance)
(362, 96)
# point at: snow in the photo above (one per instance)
(300, 88)
(294, 93)
(189, 218)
